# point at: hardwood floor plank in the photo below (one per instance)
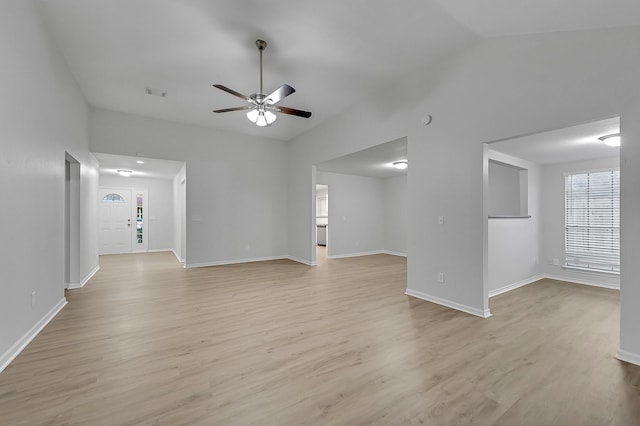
(148, 342)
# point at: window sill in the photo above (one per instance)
(591, 271)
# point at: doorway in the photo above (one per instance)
(71, 221)
(368, 213)
(529, 234)
(322, 221)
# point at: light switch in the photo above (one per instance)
(440, 220)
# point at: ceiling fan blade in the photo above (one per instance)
(233, 92)
(234, 109)
(280, 93)
(292, 111)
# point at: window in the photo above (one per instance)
(112, 198)
(592, 221)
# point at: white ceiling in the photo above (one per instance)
(574, 143)
(334, 53)
(151, 169)
(492, 18)
(375, 162)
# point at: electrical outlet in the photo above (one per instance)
(556, 261)
(33, 299)
(441, 277)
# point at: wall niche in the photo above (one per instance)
(508, 190)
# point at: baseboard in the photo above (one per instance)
(628, 357)
(513, 286)
(448, 303)
(72, 286)
(177, 257)
(581, 281)
(303, 261)
(394, 253)
(364, 253)
(22, 343)
(233, 262)
(158, 250)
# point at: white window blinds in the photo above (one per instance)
(592, 221)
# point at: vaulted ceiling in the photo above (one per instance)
(334, 53)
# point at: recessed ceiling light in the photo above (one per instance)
(611, 140)
(140, 162)
(401, 165)
(125, 173)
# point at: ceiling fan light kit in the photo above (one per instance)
(262, 107)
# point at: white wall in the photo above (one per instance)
(514, 243)
(553, 220)
(236, 194)
(395, 215)
(499, 89)
(504, 190)
(44, 115)
(356, 214)
(158, 219)
(179, 214)
(630, 226)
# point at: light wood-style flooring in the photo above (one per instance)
(147, 342)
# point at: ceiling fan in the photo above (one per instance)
(262, 106)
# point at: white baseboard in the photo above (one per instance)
(513, 286)
(448, 303)
(233, 262)
(394, 253)
(86, 279)
(551, 277)
(176, 255)
(303, 261)
(158, 250)
(581, 281)
(364, 253)
(628, 357)
(22, 343)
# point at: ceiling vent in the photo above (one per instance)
(156, 92)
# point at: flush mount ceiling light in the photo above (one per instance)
(262, 107)
(125, 173)
(140, 162)
(401, 165)
(611, 140)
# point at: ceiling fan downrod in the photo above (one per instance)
(261, 46)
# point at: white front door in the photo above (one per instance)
(115, 220)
